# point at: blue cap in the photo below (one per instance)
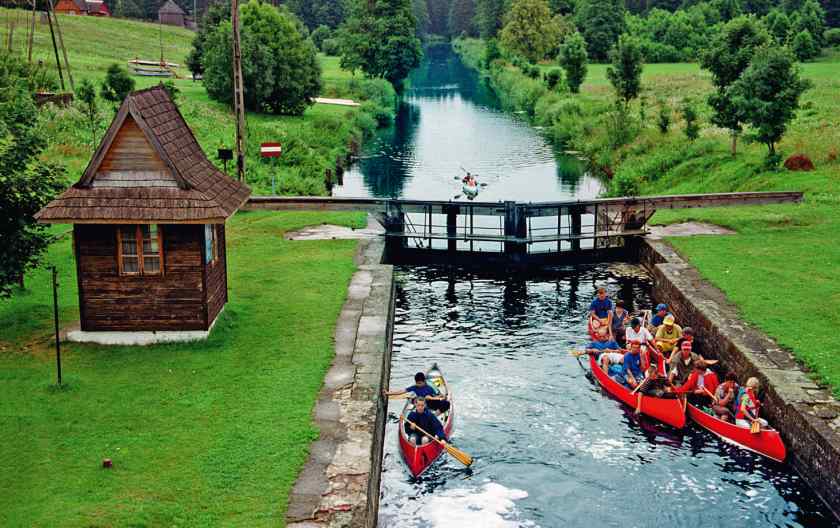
(661, 307)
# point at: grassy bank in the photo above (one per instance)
(200, 434)
(312, 142)
(779, 269)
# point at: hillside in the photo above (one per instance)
(312, 142)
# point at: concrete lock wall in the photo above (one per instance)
(805, 413)
(339, 485)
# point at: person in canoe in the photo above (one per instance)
(631, 372)
(680, 364)
(667, 335)
(434, 400)
(422, 418)
(660, 315)
(637, 332)
(749, 405)
(600, 314)
(700, 385)
(653, 385)
(618, 323)
(726, 396)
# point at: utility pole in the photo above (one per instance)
(55, 46)
(55, 316)
(63, 49)
(238, 95)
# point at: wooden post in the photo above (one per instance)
(452, 227)
(577, 226)
(516, 225)
(55, 317)
(31, 33)
(55, 46)
(63, 49)
(238, 94)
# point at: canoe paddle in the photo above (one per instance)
(453, 451)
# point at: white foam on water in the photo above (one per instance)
(490, 506)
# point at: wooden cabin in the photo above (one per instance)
(171, 14)
(148, 219)
(97, 8)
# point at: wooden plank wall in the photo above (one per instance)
(131, 151)
(216, 279)
(173, 301)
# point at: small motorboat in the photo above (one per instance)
(420, 458)
(668, 411)
(768, 442)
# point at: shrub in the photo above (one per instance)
(553, 78)
(625, 184)
(804, 46)
(319, 35)
(664, 119)
(171, 89)
(491, 52)
(117, 84)
(532, 71)
(692, 128)
(331, 47)
(832, 37)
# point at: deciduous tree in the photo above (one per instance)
(625, 72)
(727, 56)
(86, 95)
(768, 92)
(600, 22)
(280, 69)
(804, 47)
(529, 30)
(489, 16)
(27, 183)
(462, 18)
(573, 58)
(380, 39)
(117, 84)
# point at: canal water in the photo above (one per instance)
(551, 449)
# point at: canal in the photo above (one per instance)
(551, 448)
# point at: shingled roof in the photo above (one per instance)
(187, 188)
(171, 8)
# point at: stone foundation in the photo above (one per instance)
(805, 413)
(339, 485)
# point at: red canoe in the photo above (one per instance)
(419, 458)
(669, 411)
(768, 442)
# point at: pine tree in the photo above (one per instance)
(778, 24)
(811, 18)
(489, 16)
(462, 18)
(600, 22)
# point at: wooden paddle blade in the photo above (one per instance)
(755, 427)
(459, 455)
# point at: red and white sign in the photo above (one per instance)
(271, 150)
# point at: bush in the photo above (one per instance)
(804, 46)
(279, 64)
(38, 77)
(319, 35)
(491, 52)
(553, 77)
(117, 84)
(625, 184)
(832, 37)
(692, 128)
(171, 89)
(664, 119)
(331, 47)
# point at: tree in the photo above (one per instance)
(421, 14)
(778, 24)
(529, 30)
(664, 117)
(689, 112)
(86, 94)
(561, 7)
(769, 92)
(27, 183)
(127, 9)
(321, 34)
(804, 47)
(489, 16)
(573, 58)
(280, 67)
(379, 39)
(758, 7)
(728, 9)
(314, 13)
(117, 84)
(625, 72)
(214, 15)
(811, 18)
(462, 18)
(600, 22)
(727, 56)
(438, 17)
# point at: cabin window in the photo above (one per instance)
(140, 249)
(211, 244)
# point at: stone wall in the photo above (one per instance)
(804, 412)
(339, 485)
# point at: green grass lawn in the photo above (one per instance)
(312, 142)
(201, 434)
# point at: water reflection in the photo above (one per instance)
(551, 448)
(450, 119)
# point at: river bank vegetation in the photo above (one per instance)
(781, 260)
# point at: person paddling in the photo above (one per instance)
(653, 385)
(749, 406)
(632, 373)
(434, 400)
(700, 383)
(422, 418)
